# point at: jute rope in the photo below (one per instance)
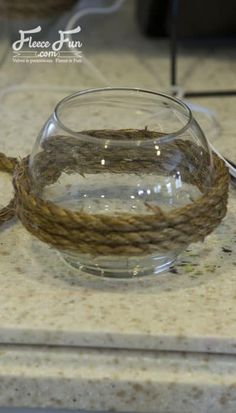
(63, 153)
(33, 8)
(118, 234)
(8, 165)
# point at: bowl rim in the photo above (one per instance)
(168, 137)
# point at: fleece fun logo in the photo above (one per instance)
(29, 50)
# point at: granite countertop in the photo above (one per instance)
(189, 309)
(44, 301)
(116, 381)
(176, 324)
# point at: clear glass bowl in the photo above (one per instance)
(118, 151)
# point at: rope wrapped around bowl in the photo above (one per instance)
(126, 233)
(7, 164)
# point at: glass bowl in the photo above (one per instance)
(117, 153)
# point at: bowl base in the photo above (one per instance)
(120, 267)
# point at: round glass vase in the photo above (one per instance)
(117, 152)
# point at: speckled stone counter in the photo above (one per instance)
(111, 380)
(192, 308)
(167, 341)
(163, 345)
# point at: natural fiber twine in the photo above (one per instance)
(118, 234)
(34, 8)
(7, 164)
